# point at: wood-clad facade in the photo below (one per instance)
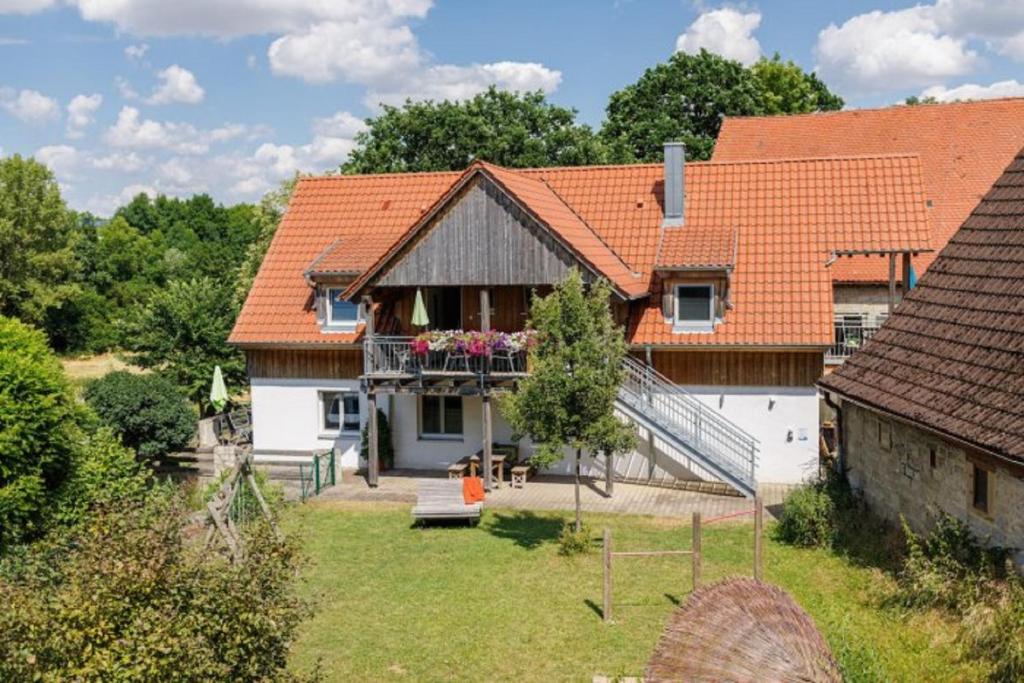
(741, 368)
(304, 363)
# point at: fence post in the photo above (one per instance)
(758, 543)
(696, 550)
(606, 612)
(316, 474)
(333, 461)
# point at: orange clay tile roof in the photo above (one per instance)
(780, 219)
(963, 148)
(689, 247)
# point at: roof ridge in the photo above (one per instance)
(792, 160)
(391, 174)
(895, 107)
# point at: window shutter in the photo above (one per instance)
(667, 307)
(321, 305)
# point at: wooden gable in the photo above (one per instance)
(482, 237)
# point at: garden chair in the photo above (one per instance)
(241, 425)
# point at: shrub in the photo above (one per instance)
(385, 450)
(149, 412)
(572, 542)
(808, 518)
(995, 631)
(38, 420)
(947, 568)
(127, 599)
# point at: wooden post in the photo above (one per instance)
(488, 441)
(696, 550)
(485, 309)
(368, 349)
(609, 473)
(892, 282)
(905, 285)
(373, 457)
(758, 541)
(606, 612)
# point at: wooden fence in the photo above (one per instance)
(694, 552)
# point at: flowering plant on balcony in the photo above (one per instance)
(471, 342)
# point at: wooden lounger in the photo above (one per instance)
(442, 499)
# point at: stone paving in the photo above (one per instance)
(556, 493)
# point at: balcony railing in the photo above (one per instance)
(850, 336)
(395, 356)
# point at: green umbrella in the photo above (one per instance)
(419, 311)
(218, 392)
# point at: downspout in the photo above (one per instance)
(840, 449)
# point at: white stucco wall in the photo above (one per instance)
(286, 417)
(784, 419)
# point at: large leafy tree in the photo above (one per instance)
(37, 255)
(182, 330)
(687, 97)
(511, 129)
(569, 397)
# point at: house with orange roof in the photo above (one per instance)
(963, 147)
(720, 278)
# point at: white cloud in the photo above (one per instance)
(974, 91)
(125, 89)
(29, 105)
(25, 6)
(63, 160)
(177, 85)
(132, 131)
(81, 111)
(13, 41)
(447, 81)
(251, 61)
(129, 162)
(881, 51)
(137, 51)
(727, 32)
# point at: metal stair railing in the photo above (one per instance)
(725, 445)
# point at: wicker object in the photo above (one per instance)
(741, 630)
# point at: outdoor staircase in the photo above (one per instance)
(692, 431)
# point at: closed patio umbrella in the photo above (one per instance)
(218, 392)
(419, 311)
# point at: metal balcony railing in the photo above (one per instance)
(395, 356)
(850, 336)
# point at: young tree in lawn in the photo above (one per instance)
(575, 372)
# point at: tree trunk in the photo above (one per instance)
(609, 472)
(579, 519)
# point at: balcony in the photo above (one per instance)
(850, 336)
(450, 354)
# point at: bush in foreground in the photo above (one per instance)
(814, 515)
(125, 597)
(150, 413)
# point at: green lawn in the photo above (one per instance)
(497, 602)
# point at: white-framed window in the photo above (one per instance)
(339, 412)
(441, 417)
(695, 307)
(340, 313)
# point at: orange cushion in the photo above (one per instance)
(472, 490)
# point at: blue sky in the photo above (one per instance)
(121, 96)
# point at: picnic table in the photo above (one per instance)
(497, 463)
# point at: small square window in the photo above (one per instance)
(981, 489)
(695, 307)
(341, 312)
(339, 411)
(441, 416)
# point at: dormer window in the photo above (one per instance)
(694, 308)
(340, 313)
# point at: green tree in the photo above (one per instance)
(511, 129)
(37, 255)
(687, 97)
(915, 100)
(569, 397)
(149, 412)
(182, 330)
(788, 89)
(37, 429)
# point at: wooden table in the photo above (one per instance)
(497, 463)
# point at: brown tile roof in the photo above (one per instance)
(780, 219)
(963, 147)
(951, 358)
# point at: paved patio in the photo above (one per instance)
(556, 493)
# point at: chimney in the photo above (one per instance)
(675, 171)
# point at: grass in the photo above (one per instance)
(81, 370)
(497, 602)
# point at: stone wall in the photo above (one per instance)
(867, 300)
(891, 463)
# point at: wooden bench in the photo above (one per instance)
(520, 473)
(442, 499)
(457, 470)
